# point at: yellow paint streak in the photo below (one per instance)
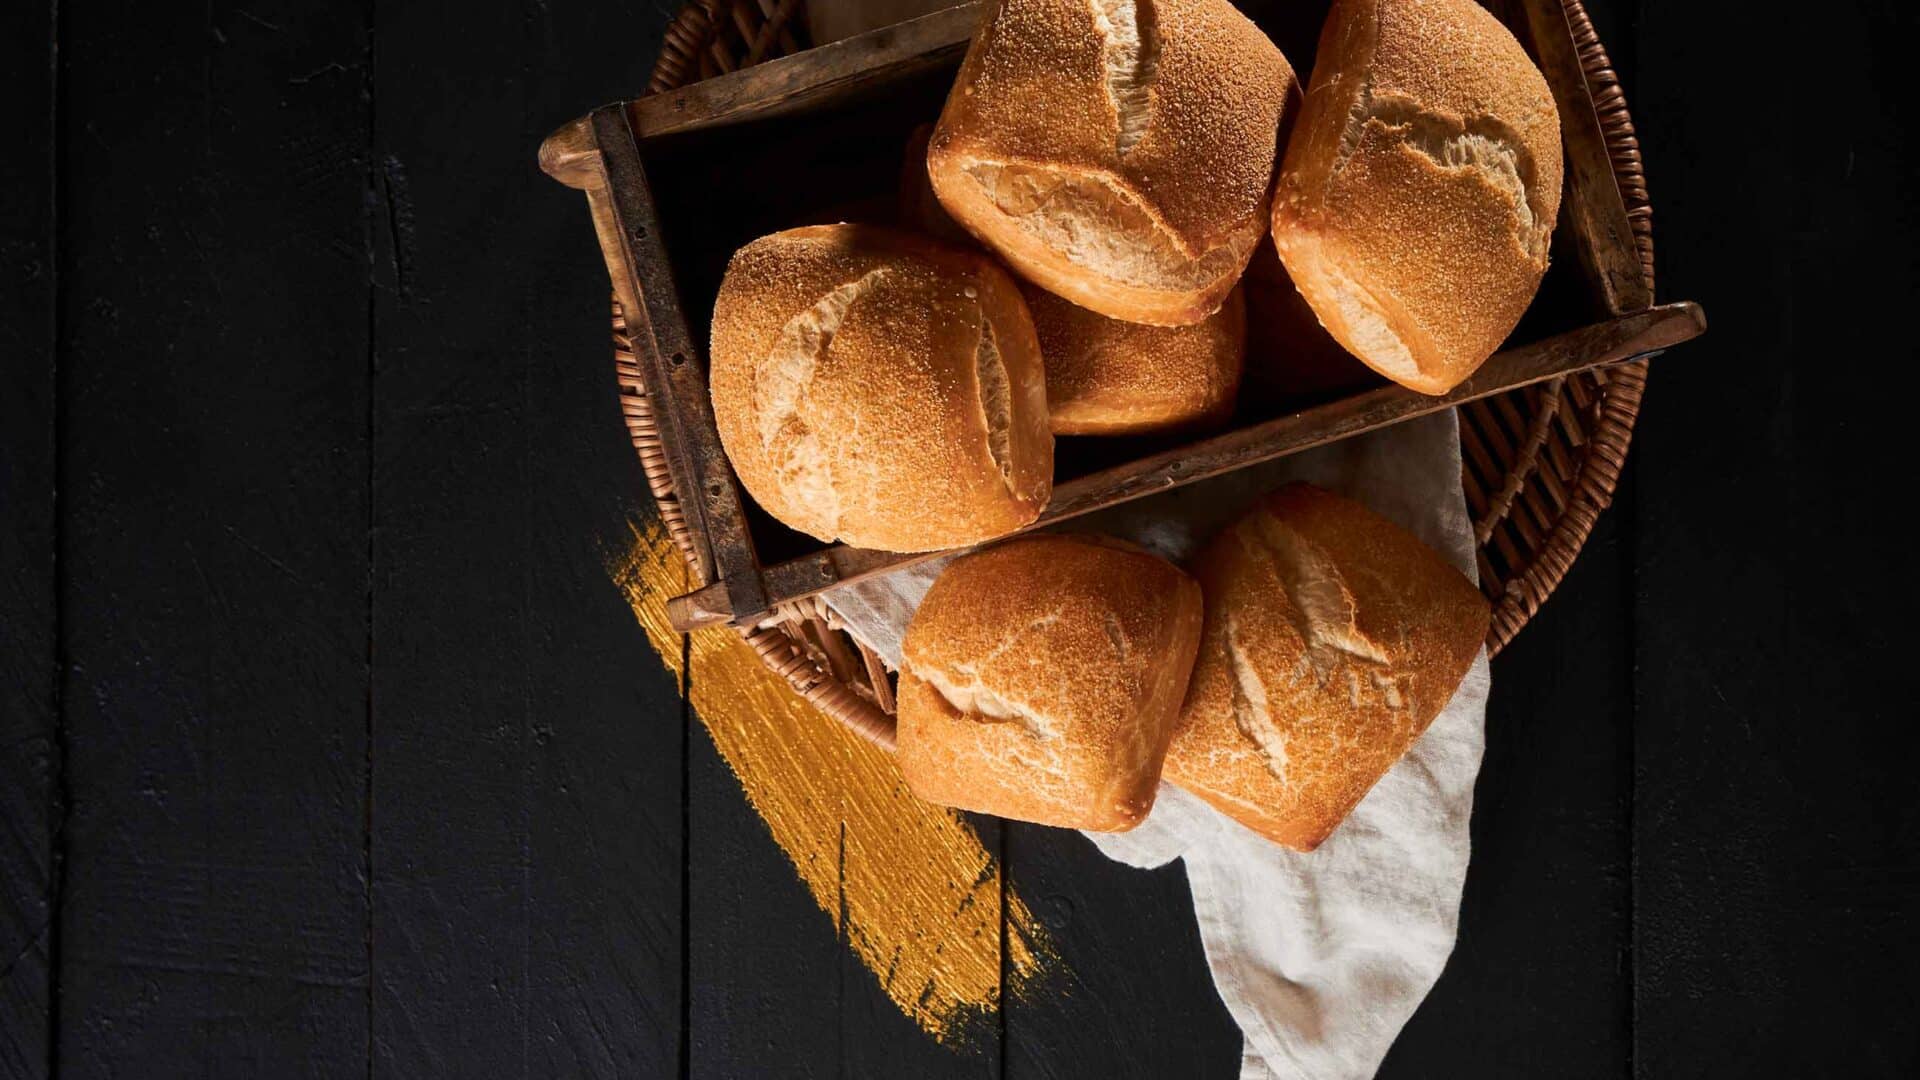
(921, 896)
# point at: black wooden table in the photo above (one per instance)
(326, 747)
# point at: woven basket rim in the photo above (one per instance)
(803, 642)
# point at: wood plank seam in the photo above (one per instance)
(378, 195)
(61, 793)
(684, 1051)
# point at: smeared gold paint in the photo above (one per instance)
(921, 897)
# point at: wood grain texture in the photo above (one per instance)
(830, 73)
(29, 616)
(526, 817)
(674, 368)
(1595, 215)
(1777, 832)
(213, 561)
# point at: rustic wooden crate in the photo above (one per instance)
(679, 180)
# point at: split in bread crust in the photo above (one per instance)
(1107, 376)
(1118, 153)
(1042, 679)
(1333, 638)
(1420, 186)
(877, 388)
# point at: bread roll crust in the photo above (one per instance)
(880, 389)
(1333, 638)
(1042, 678)
(1420, 186)
(1107, 377)
(1118, 153)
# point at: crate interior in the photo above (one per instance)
(719, 188)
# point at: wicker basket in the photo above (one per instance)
(1540, 463)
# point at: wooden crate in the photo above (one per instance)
(678, 181)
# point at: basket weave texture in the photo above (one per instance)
(1539, 463)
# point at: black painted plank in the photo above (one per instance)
(1545, 941)
(527, 768)
(1131, 994)
(213, 495)
(777, 990)
(1777, 831)
(877, 1039)
(765, 961)
(1538, 983)
(29, 759)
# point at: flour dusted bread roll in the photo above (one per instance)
(1333, 639)
(880, 389)
(1107, 376)
(1118, 153)
(1420, 186)
(1042, 678)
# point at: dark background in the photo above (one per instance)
(326, 747)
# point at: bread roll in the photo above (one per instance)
(1420, 186)
(1118, 153)
(1042, 678)
(1107, 377)
(1333, 639)
(880, 389)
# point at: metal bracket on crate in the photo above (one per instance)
(676, 377)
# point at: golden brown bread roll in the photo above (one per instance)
(1106, 376)
(1042, 678)
(1420, 186)
(880, 389)
(1333, 638)
(1118, 153)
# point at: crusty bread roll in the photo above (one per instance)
(1107, 377)
(1118, 153)
(1420, 186)
(880, 389)
(1042, 678)
(1333, 639)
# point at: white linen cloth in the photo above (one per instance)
(1320, 957)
